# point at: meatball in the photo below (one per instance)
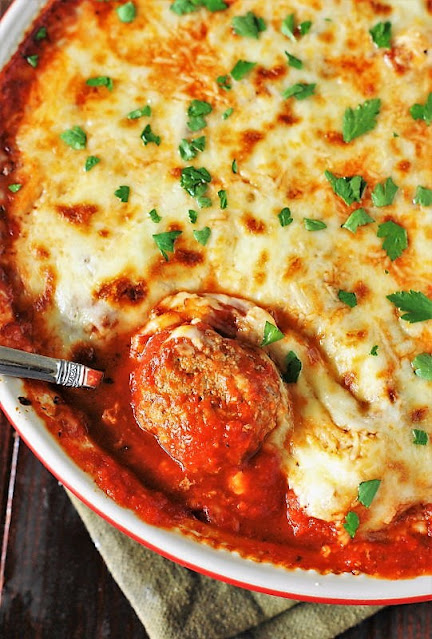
(209, 400)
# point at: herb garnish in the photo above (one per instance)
(182, 7)
(234, 166)
(359, 217)
(101, 81)
(227, 113)
(189, 149)
(249, 25)
(147, 136)
(14, 188)
(165, 242)
(154, 216)
(91, 161)
(193, 216)
(126, 12)
(360, 120)
(293, 368)
(40, 34)
(423, 196)
(284, 216)
(139, 113)
(223, 199)
(195, 182)
(384, 193)
(196, 112)
(350, 189)
(417, 307)
(350, 299)
(300, 91)
(396, 239)
(352, 523)
(374, 351)
(423, 111)
(224, 82)
(288, 27)
(293, 61)
(420, 437)
(75, 138)
(33, 60)
(203, 235)
(422, 365)
(271, 334)
(313, 225)
(367, 491)
(381, 34)
(123, 193)
(241, 69)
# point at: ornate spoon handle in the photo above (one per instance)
(18, 363)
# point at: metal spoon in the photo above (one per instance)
(16, 363)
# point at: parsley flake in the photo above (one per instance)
(196, 112)
(193, 216)
(147, 136)
(41, 34)
(165, 242)
(223, 199)
(75, 138)
(358, 218)
(182, 7)
(420, 437)
(154, 216)
(241, 69)
(293, 368)
(313, 225)
(203, 235)
(396, 239)
(91, 161)
(271, 334)
(417, 307)
(304, 27)
(299, 91)
(422, 365)
(284, 216)
(126, 12)
(14, 188)
(195, 182)
(288, 26)
(139, 113)
(33, 60)
(224, 82)
(101, 81)
(350, 189)
(189, 149)
(367, 491)
(249, 25)
(293, 61)
(215, 5)
(352, 522)
(381, 34)
(360, 120)
(384, 193)
(374, 351)
(423, 196)
(227, 113)
(423, 111)
(234, 166)
(350, 299)
(123, 193)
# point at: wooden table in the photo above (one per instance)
(53, 582)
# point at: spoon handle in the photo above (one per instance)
(16, 363)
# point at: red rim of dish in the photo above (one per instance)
(200, 569)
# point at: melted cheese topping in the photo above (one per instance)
(91, 268)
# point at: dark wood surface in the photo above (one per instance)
(53, 582)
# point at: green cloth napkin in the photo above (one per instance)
(173, 602)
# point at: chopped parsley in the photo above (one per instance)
(147, 136)
(193, 216)
(293, 368)
(189, 149)
(154, 216)
(139, 113)
(101, 81)
(284, 216)
(288, 26)
(313, 225)
(422, 365)
(374, 351)
(223, 199)
(227, 113)
(420, 437)
(33, 60)
(165, 242)
(234, 166)
(182, 7)
(215, 5)
(359, 217)
(300, 91)
(304, 27)
(40, 34)
(14, 188)
(384, 193)
(203, 235)
(417, 307)
(395, 239)
(423, 111)
(352, 522)
(350, 189)
(367, 491)
(195, 182)
(423, 196)
(360, 120)
(75, 138)
(224, 82)
(126, 12)
(249, 25)
(381, 34)
(91, 161)
(271, 334)
(350, 299)
(196, 112)
(241, 69)
(123, 193)
(293, 61)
